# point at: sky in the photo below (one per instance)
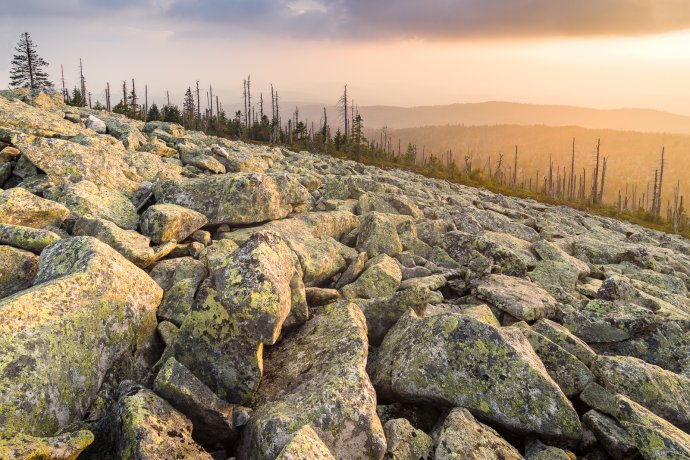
(594, 53)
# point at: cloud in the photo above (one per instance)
(382, 19)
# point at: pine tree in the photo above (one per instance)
(27, 66)
(189, 108)
(153, 114)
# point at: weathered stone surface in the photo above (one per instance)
(17, 270)
(66, 446)
(235, 198)
(152, 428)
(168, 272)
(519, 298)
(132, 245)
(571, 375)
(316, 377)
(306, 444)
(383, 312)
(27, 238)
(405, 442)
(381, 277)
(168, 222)
(95, 124)
(463, 437)
(565, 339)
(210, 416)
(173, 129)
(654, 437)
(16, 115)
(178, 301)
(615, 440)
(213, 347)
(86, 199)
(537, 450)
(89, 308)
(605, 321)
(353, 270)
(320, 296)
(20, 207)
(663, 392)
(253, 284)
(377, 235)
(456, 360)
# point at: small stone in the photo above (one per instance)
(353, 270)
(381, 277)
(96, 124)
(405, 442)
(27, 238)
(321, 296)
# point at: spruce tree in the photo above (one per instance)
(153, 114)
(27, 66)
(188, 107)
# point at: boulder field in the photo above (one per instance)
(165, 294)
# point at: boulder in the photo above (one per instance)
(571, 375)
(17, 270)
(20, 207)
(87, 199)
(612, 437)
(151, 428)
(96, 124)
(405, 442)
(316, 376)
(254, 285)
(462, 436)
(236, 199)
(353, 270)
(305, 444)
(381, 277)
(383, 312)
(210, 416)
(178, 301)
(453, 359)
(606, 321)
(517, 297)
(565, 339)
(214, 348)
(89, 310)
(377, 235)
(173, 129)
(653, 436)
(27, 238)
(16, 115)
(66, 446)
(132, 245)
(662, 392)
(168, 272)
(168, 222)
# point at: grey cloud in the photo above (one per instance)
(430, 19)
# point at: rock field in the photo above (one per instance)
(165, 294)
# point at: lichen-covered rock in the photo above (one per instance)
(518, 297)
(383, 312)
(173, 129)
(168, 272)
(316, 376)
(613, 437)
(663, 392)
(381, 277)
(21, 207)
(132, 245)
(537, 450)
(490, 252)
(211, 416)
(86, 199)
(89, 309)
(353, 270)
(27, 238)
(17, 270)
(151, 428)
(377, 235)
(405, 442)
(167, 222)
(253, 284)
(235, 199)
(456, 360)
(654, 437)
(95, 124)
(65, 446)
(463, 437)
(565, 339)
(571, 375)
(606, 321)
(19, 116)
(178, 301)
(305, 444)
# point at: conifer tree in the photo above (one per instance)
(27, 66)
(153, 114)
(189, 107)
